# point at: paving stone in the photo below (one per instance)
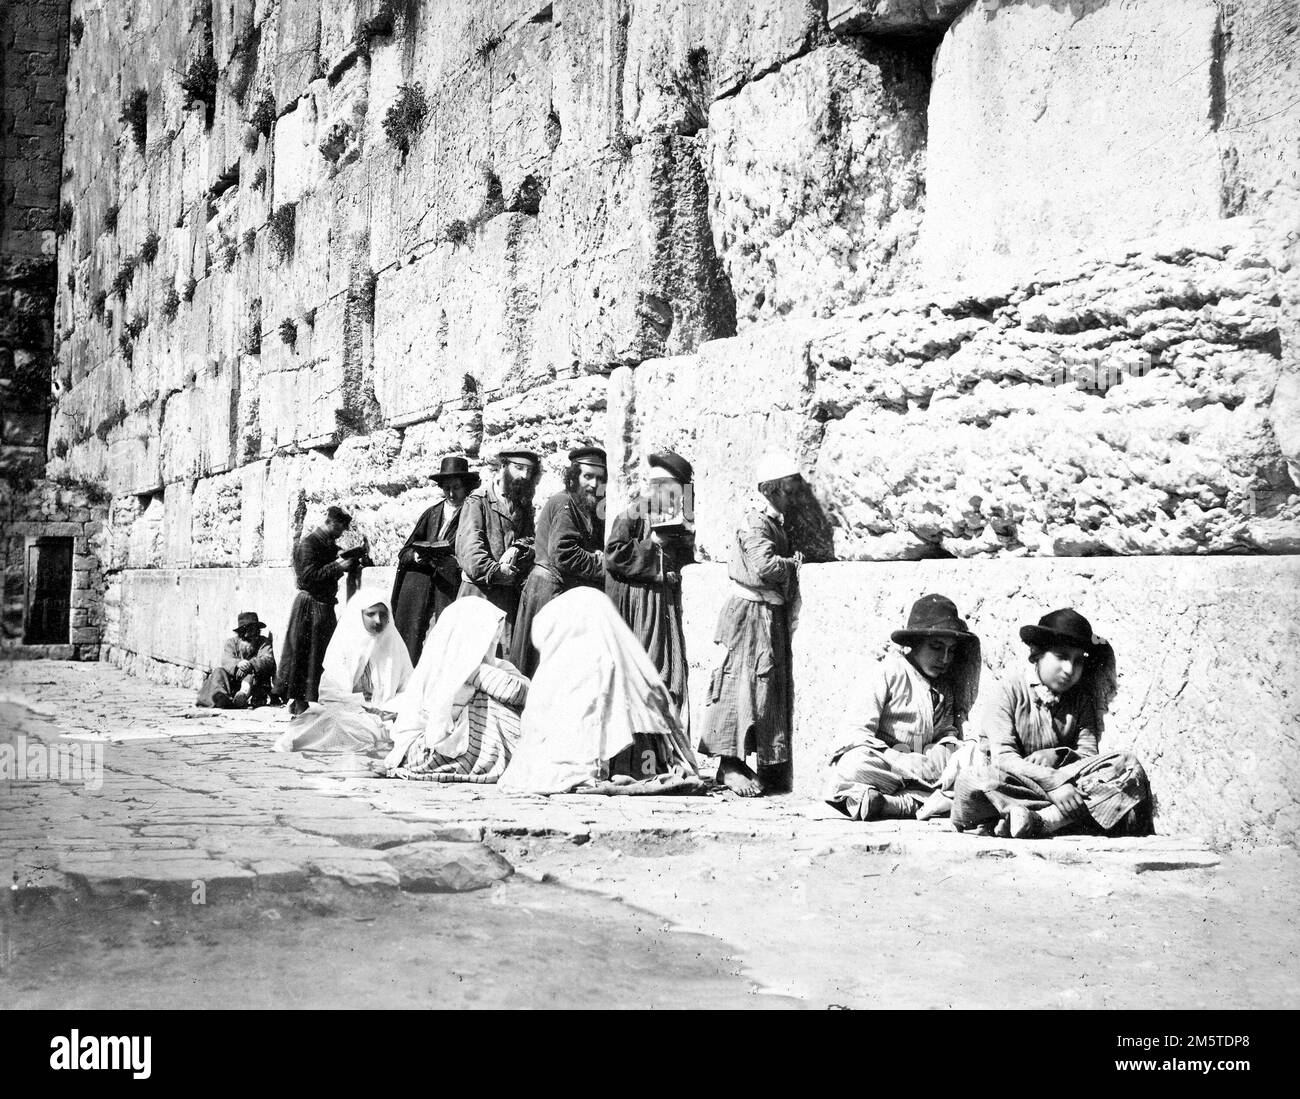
(280, 876)
(358, 873)
(436, 867)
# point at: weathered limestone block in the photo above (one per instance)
(300, 395)
(1101, 130)
(1197, 644)
(682, 55)
(893, 16)
(216, 520)
(148, 536)
(196, 424)
(816, 180)
(630, 271)
(1123, 408)
(456, 319)
(298, 32)
(548, 419)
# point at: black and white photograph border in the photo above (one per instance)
(710, 504)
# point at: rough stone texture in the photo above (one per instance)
(1203, 650)
(1117, 405)
(1058, 124)
(433, 867)
(816, 179)
(890, 17)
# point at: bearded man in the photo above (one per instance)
(570, 541)
(494, 545)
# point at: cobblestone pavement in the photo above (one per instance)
(197, 795)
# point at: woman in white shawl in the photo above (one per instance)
(366, 666)
(459, 718)
(599, 718)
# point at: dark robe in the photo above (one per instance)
(635, 570)
(225, 679)
(569, 540)
(424, 586)
(311, 618)
(488, 525)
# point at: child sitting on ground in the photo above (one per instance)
(906, 728)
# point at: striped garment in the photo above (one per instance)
(491, 718)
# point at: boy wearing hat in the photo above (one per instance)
(318, 565)
(750, 704)
(1040, 731)
(908, 723)
(644, 559)
(569, 547)
(428, 577)
(494, 545)
(243, 678)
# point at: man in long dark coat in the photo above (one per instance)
(243, 678)
(428, 577)
(494, 545)
(643, 574)
(570, 541)
(318, 565)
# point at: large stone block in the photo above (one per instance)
(892, 17)
(1055, 127)
(816, 180)
(1123, 408)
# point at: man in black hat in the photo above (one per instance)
(570, 543)
(649, 544)
(494, 544)
(318, 565)
(1041, 730)
(428, 577)
(243, 678)
(906, 723)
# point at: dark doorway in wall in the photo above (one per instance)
(49, 592)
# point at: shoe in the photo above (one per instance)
(220, 700)
(239, 701)
(256, 702)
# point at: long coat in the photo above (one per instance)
(636, 571)
(569, 541)
(488, 525)
(424, 588)
(311, 618)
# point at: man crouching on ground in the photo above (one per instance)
(243, 678)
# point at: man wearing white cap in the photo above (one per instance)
(751, 695)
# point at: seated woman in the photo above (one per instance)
(459, 718)
(906, 727)
(599, 718)
(1041, 730)
(366, 665)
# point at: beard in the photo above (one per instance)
(519, 490)
(587, 499)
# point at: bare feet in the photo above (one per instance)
(1023, 823)
(735, 776)
(937, 804)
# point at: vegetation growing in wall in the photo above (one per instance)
(124, 277)
(125, 346)
(458, 230)
(405, 115)
(187, 291)
(65, 216)
(199, 83)
(281, 228)
(250, 240)
(309, 317)
(288, 332)
(149, 249)
(488, 46)
(97, 302)
(171, 301)
(137, 324)
(259, 178)
(260, 121)
(76, 29)
(135, 116)
(117, 416)
(252, 341)
(110, 217)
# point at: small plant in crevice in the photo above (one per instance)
(228, 252)
(288, 332)
(149, 247)
(76, 29)
(65, 216)
(260, 121)
(199, 83)
(250, 241)
(469, 385)
(171, 302)
(61, 448)
(487, 47)
(137, 324)
(403, 118)
(252, 344)
(457, 231)
(124, 345)
(259, 178)
(309, 317)
(135, 115)
(281, 227)
(187, 291)
(124, 277)
(110, 217)
(108, 318)
(71, 282)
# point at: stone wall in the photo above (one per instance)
(33, 44)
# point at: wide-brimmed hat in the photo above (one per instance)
(457, 466)
(932, 616)
(672, 463)
(248, 618)
(776, 466)
(588, 455)
(1063, 627)
(526, 455)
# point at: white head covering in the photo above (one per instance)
(353, 647)
(594, 687)
(463, 638)
(774, 465)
